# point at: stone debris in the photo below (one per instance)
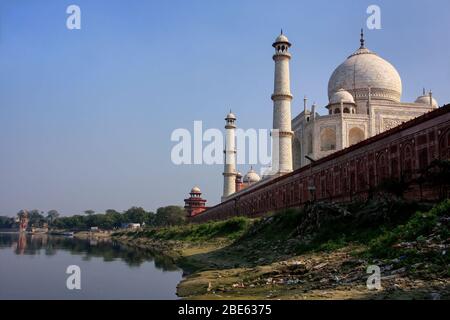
(320, 266)
(238, 285)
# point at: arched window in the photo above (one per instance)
(346, 110)
(328, 139)
(444, 145)
(355, 135)
(407, 161)
(337, 110)
(382, 168)
(309, 144)
(296, 153)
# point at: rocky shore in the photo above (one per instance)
(263, 265)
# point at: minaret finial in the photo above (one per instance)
(281, 30)
(424, 91)
(362, 39)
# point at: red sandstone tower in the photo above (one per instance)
(23, 221)
(195, 204)
(239, 183)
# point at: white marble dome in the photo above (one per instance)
(196, 190)
(251, 177)
(281, 39)
(425, 99)
(341, 95)
(230, 116)
(365, 69)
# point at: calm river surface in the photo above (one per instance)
(34, 267)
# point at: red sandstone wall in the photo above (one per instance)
(350, 173)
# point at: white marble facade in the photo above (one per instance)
(364, 95)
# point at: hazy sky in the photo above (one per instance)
(86, 115)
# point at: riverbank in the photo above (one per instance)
(320, 252)
(95, 235)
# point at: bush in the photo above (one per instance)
(418, 226)
(230, 229)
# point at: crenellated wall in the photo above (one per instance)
(350, 173)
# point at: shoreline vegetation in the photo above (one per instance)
(321, 251)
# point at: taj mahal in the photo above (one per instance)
(364, 100)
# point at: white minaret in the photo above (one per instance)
(282, 97)
(229, 174)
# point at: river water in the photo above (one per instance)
(34, 267)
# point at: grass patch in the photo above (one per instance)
(416, 229)
(230, 229)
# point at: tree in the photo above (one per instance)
(169, 216)
(36, 218)
(136, 215)
(52, 215)
(89, 212)
(6, 222)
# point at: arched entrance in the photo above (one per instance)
(355, 135)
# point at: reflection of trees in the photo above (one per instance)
(107, 249)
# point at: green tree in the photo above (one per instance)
(36, 218)
(136, 215)
(52, 215)
(169, 216)
(6, 222)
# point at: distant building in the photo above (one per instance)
(195, 204)
(130, 225)
(94, 228)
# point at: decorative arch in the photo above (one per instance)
(444, 145)
(382, 167)
(328, 139)
(309, 144)
(355, 135)
(296, 152)
(407, 159)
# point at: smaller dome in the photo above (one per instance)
(341, 95)
(281, 38)
(251, 177)
(230, 116)
(196, 190)
(425, 99)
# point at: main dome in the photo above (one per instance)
(364, 69)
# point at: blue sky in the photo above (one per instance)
(86, 115)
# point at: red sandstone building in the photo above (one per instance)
(351, 173)
(195, 205)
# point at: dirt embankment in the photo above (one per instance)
(94, 235)
(318, 253)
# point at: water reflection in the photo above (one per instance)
(109, 250)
